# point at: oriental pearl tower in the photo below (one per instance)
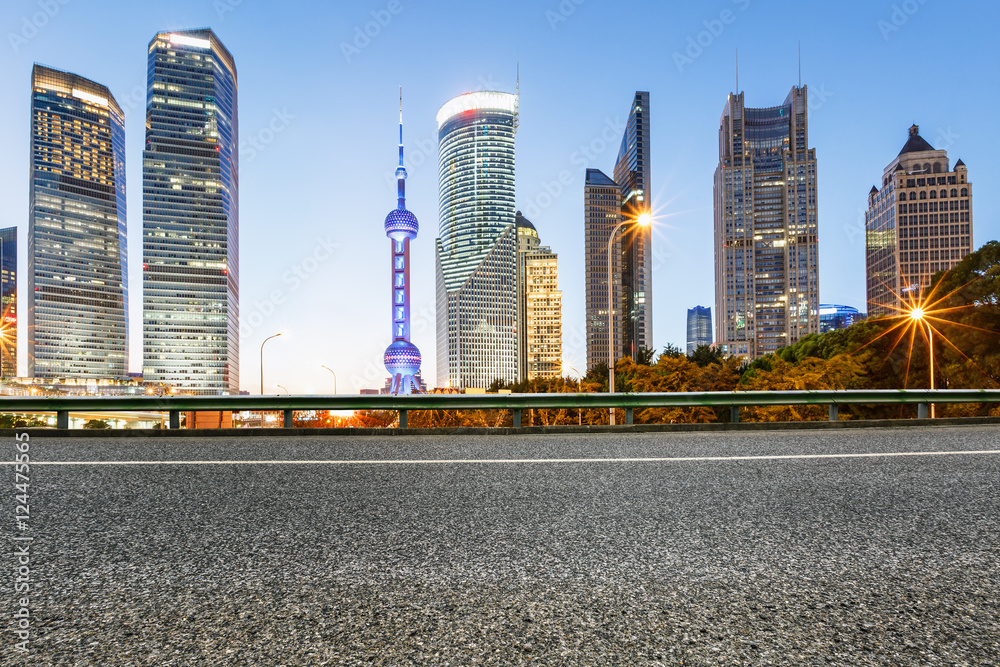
(402, 358)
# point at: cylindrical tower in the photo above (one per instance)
(402, 358)
(476, 169)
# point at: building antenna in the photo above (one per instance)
(737, 71)
(800, 64)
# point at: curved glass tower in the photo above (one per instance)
(190, 207)
(402, 358)
(77, 255)
(477, 244)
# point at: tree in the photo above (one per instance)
(703, 355)
(96, 424)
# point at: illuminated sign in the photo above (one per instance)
(88, 97)
(489, 100)
(184, 40)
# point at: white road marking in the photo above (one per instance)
(360, 462)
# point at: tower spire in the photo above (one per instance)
(737, 71)
(800, 64)
(401, 170)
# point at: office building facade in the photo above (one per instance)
(539, 308)
(918, 223)
(766, 227)
(632, 174)
(191, 215)
(77, 252)
(476, 251)
(8, 301)
(602, 211)
(699, 328)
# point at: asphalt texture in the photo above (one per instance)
(445, 558)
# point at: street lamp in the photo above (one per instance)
(643, 220)
(334, 378)
(579, 413)
(917, 315)
(262, 361)
(281, 387)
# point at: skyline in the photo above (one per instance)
(282, 131)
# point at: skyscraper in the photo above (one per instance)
(632, 174)
(699, 328)
(191, 216)
(602, 211)
(918, 223)
(539, 308)
(8, 302)
(766, 238)
(402, 358)
(476, 252)
(77, 255)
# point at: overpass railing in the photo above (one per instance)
(516, 403)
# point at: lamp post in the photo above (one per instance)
(643, 220)
(917, 315)
(334, 378)
(262, 362)
(579, 413)
(280, 387)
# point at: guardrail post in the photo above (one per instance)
(834, 412)
(175, 419)
(734, 414)
(62, 419)
(288, 420)
(629, 416)
(402, 419)
(516, 412)
(922, 411)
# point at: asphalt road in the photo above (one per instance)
(685, 548)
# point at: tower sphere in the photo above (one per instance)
(402, 358)
(401, 224)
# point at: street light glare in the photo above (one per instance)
(645, 219)
(917, 314)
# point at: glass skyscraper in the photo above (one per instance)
(477, 245)
(766, 239)
(77, 255)
(602, 211)
(699, 328)
(632, 174)
(190, 179)
(8, 300)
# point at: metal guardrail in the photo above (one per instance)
(516, 403)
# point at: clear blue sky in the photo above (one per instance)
(324, 178)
